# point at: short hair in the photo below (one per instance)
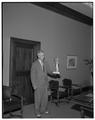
(40, 51)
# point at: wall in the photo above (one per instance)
(60, 36)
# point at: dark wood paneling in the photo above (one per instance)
(66, 11)
(22, 54)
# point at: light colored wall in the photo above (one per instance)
(60, 36)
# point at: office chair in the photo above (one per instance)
(54, 89)
(70, 88)
(10, 103)
(67, 84)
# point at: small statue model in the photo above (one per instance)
(56, 66)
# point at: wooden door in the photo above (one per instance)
(23, 54)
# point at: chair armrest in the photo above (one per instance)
(16, 96)
(7, 100)
(61, 89)
(76, 85)
(21, 100)
(66, 87)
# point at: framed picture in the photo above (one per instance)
(71, 62)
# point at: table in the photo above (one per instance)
(85, 100)
(53, 75)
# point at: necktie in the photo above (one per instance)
(43, 68)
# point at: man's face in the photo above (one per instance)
(41, 56)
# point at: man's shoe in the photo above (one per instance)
(46, 112)
(38, 116)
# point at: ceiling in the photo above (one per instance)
(85, 8)
(79, 11)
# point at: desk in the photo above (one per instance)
(85, 100)
(55, 76)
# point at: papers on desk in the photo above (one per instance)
(54, 75)
(56, 72)
(89, 95)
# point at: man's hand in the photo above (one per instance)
(35, 87)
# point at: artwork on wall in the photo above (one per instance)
(71, 62)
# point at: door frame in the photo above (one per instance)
(13, 43)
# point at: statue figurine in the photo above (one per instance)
(56, 65)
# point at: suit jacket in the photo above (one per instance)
(38, 77)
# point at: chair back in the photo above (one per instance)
(67, 83)
(6, 92)
(53, 85)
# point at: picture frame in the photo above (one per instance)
(71, 62)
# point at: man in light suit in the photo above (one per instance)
(39, 79)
